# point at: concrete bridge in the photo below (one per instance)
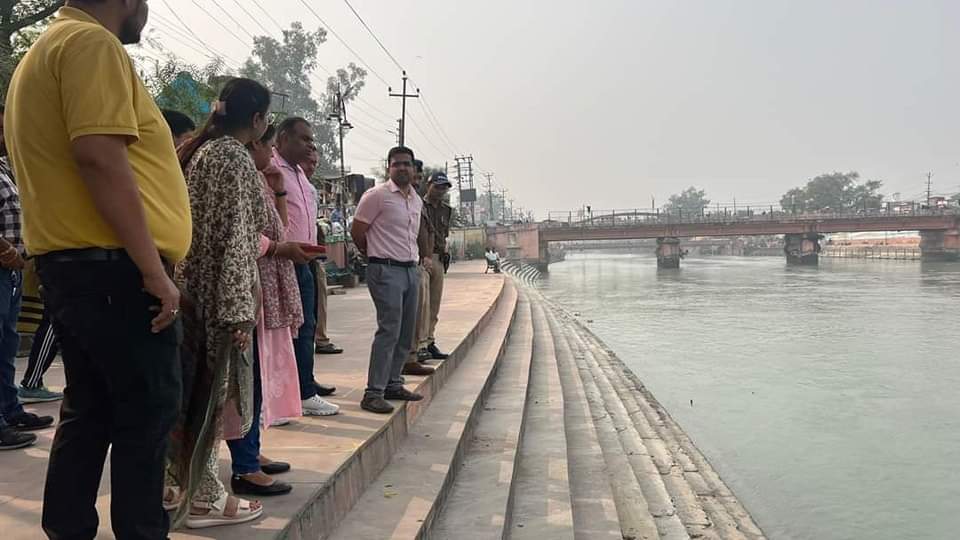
(939, 232)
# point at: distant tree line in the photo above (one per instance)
(831, 192)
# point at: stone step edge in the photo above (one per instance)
(523, 304)
(676, 500)
(428, 511)
(329, 504)
(464, 443)
(540, 325)
(601, 498)
(730, 518)
(659, 502)
(636, 521)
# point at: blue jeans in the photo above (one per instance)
(303, 344)
(246, 451)
(10, 291)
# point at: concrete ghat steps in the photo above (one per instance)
(703, 503)
(643, 505)
(476, 506)
(539, 505)
(403, 499)
(544, 433)
(595, 510)
(692, 481)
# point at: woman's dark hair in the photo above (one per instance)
(239, 101)
(179, 123)
(267, 135)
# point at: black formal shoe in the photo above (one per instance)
(324, 390)
(275, 467)
(402, 395)
(424, 355)
(435, 352)
(328, 348)
(11, 439)
(26, 421)
(376, 404)
(245, 487)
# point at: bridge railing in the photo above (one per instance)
(628, 217)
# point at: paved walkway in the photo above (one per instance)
(316, 447)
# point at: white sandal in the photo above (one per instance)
(216, 515)
(171, 498)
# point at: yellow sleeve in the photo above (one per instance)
(96, 88)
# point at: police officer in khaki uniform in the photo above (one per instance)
(438, 214)
(425, 237)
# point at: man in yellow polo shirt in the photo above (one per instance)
(106, 213)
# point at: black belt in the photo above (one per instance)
(92, 255)
(85, 255)
(391, 262)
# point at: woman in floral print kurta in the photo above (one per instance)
(220, 278)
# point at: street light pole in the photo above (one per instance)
(342, 124)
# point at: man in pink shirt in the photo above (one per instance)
(385, 228)
(294, 144)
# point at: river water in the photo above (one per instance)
(827, 398)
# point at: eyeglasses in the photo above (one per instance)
(399, 164)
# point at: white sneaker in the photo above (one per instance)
(316, 406)
(280, 422)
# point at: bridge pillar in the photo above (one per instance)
(668, 252)
(940, 245)
(802, 249)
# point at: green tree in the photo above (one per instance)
(834, 192)
(17, 32)
(690, 201)
(285, 66)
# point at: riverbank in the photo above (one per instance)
(799, 384)
(529, 427)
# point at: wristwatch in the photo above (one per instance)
(280, 193)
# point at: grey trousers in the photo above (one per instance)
(395, 291)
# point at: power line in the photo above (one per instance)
(267, 13)
(214, 55)
(436, 130)
(429, 141)
(375, 38)
(254, 19)
(185, 25)
(341, 40)
(216, 20)
(169, 28)
(236, 22)
(443, 132)
(374, 107)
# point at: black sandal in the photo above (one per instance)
(241, 486)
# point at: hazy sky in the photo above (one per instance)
(610, 103)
